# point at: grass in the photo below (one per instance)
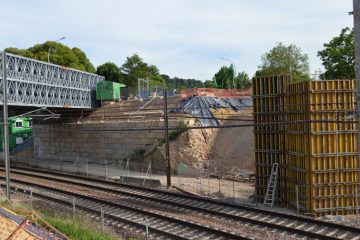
(76, 231)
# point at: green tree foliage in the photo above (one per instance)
(59, 54)
(242, 80)
(135, 68)
(111, 72)
(338, 57)
(181, 83)
(167, 79)
(208, 84)
(285, 60)
(224, 77)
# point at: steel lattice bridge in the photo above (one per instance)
(35, 83)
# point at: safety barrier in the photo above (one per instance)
(215, 92)
(29, 226)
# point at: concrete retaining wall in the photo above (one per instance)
(64, 140)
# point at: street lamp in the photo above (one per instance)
(229, 62)
(52, 46)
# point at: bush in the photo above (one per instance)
(75, 231)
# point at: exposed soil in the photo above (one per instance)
(225, 151)
(233, 147)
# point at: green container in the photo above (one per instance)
(108, 91)
(19, 130)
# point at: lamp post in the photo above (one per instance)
(52, 46)
(234, 70)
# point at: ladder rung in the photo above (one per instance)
(271, 189)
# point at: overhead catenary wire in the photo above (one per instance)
(133, 119)
(147, 115)
(191, 127)
(250, 119)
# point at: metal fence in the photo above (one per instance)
(220, 186)
(140, 173)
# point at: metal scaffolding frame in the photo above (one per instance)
(41, 84)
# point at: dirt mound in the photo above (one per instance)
(221, 151)
(192, 147)
(233, 146)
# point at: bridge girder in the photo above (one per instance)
(40, 84)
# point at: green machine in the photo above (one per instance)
(108, 91)
(20, 129)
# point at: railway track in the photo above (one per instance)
(298, 227)
(116, 214)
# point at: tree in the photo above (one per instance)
(167, 79)
(182, 83)
(242, 80)
(338, 57)
(135, 68)
(208, 84)
(110, 71)
(285, 60)
(224, 77)
(60, 54)
(84, 62)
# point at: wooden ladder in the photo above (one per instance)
(271, 189)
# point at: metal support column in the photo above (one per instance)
(5, 127)
(356, 14)
(166, 118)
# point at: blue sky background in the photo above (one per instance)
(184, 38)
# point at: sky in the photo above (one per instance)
(183, 38)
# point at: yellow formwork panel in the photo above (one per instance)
(269, 103)
(316, 148)
(322, 161)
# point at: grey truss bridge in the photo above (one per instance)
(35, 83)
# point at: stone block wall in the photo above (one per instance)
(95, 141)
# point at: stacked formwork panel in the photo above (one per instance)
(269, 104)
(297, 144)
(319, 152)
(322, 146)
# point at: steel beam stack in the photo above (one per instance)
(319, 151)
(269, 95)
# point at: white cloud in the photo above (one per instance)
(184, 38)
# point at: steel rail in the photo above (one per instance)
(210, 230)
(91, 210)
(192, 206)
